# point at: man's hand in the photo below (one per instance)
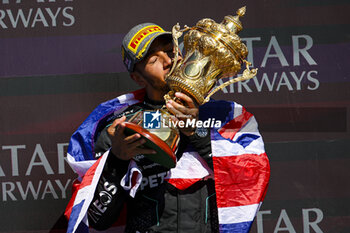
(185, 112)
(125, 147)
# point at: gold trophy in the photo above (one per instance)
(212, 51)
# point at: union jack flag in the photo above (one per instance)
(241, 167)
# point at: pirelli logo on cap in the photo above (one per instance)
(141, 35)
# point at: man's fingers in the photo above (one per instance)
(179, 107)
(119, 130)
(188, 100)
(137, 143)
(132, 138)
(144, 151)
(180, 111)
(118, 121)
(172, 109)
(114, 128)
(136, 147)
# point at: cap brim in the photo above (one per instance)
(149, 43)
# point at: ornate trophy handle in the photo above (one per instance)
(176, 33)
(247, 74)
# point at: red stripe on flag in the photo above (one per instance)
(230, 129)
(89, 175)
(69, 207)
(134, 178)
(241, 180)
(139, 94)
(183, 184)
(87, 179)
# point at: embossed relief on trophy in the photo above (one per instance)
(194, 69)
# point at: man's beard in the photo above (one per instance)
(157, 85)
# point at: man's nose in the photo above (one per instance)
(166, 60)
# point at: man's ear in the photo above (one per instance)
(137, 77)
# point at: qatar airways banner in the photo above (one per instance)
(28, 15)
(60, 58)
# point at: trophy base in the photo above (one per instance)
(164, 156)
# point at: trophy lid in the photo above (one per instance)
(233, 23)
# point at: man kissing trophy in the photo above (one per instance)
(212, 51)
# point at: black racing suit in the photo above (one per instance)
(158, 206)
